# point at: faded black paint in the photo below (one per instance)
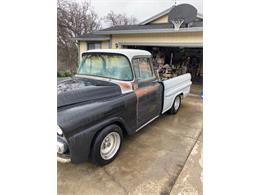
(78, 90)
(86, 106)
(149, 100)
(81, 121)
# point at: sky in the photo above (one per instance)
(141, 9)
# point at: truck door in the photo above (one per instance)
(148, 92)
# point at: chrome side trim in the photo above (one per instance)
(147, 123)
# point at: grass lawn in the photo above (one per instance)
(61, 78)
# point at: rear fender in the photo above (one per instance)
(173, 87)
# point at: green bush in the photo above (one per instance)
(60, 74)
(67, 73)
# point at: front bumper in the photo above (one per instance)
(62, 150)
(62, 158)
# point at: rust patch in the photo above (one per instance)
(142, 91)
(125, 86)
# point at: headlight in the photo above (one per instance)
(59, 131)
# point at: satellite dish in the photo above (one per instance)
(183, 13)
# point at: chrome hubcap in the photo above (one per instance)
(177, 103)
(110, 145)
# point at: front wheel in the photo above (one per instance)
(176, 105)
(107, 145)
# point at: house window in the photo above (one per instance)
(94, 45)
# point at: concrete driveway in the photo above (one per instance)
(148, 163)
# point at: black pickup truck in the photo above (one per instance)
(114, 93)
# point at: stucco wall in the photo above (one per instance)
(167, 38)
(160, 38)
(163, 19)
(82, 46)
(105, 45)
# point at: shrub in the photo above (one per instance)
(60, 74)
(67, 73)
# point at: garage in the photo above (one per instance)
(178, 59)
(176, 44)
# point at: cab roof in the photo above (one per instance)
(130, 53)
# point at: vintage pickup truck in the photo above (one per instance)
(115, 92)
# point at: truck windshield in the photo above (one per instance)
(112, 66)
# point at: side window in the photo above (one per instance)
(142, 68)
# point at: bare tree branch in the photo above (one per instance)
(114, 19)
(73, 19)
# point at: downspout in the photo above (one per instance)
(110, 42)
(78, 47)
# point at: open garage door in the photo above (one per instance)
(180, 57)
(188, 45)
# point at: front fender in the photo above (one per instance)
(80, 143)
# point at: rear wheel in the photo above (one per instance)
(107, 145)
(176, 105)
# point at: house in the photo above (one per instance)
(156, 34)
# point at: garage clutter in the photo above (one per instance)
(171, 62)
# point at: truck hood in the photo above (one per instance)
(78, 90)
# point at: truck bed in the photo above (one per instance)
(179, 85)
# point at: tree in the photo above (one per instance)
(73, 19)
(114, 19)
